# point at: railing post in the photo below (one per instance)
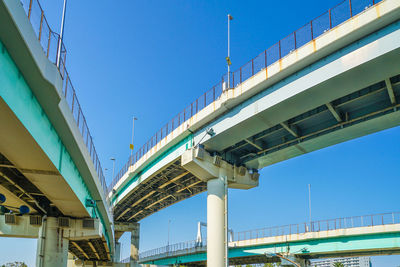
(73, 100)
(351, 11)
(240, 74)
(252, 67)
(30, 10)
(265, 51)
(64, 63)
(213, 93)
(330, 19)
(79, 113)
(41, 25)
(295, 40)
(280, 53)
(205, 99)
(48, 44)
(312, 33)
(66, 88)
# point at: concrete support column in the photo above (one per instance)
(216, 222)
(135, 232)
(303, 263)
(52, 248)
(219, 175)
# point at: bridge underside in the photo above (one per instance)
(362, 112)
(92, 249)
(168, 186)
(343, 119)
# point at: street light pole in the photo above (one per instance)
(309, 202)
(60, 40)
(133, 130)
(113, 160)
(169, 222)
(228, 59)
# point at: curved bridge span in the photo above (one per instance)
(310, 98)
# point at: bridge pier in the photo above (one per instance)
(216, 224)
(134, 228)
(135, 235)
(52, 247)
(219, 175)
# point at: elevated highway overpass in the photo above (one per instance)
(333, 80)
(48, 162)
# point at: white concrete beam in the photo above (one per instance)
(334, 112)
(253, 144)
(292, 130)
(205, 167)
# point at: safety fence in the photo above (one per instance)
(316, 27)
(52, 47)
(301, 228)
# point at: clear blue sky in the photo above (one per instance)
(150, 59)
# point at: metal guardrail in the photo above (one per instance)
(301, 228)
(49, 41)
(316, 27)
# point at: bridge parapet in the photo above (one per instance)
(50, 42)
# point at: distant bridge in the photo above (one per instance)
(377, 234)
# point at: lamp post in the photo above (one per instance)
(228, 59)
(169, 222)
(60, 40)
(113, 160)
(133, 131)
(309, 202)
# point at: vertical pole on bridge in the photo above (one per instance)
(216, 229)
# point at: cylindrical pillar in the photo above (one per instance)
(135, 245)
(215, 222)
(52, 247)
